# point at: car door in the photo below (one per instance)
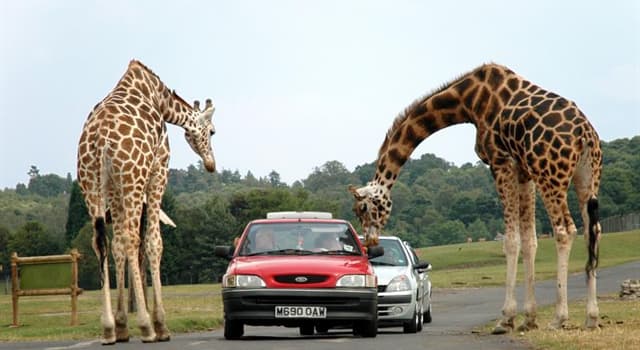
(421, 277)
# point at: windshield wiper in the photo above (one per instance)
(336, 252)
(288, 251)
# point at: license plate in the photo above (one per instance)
(301, 312)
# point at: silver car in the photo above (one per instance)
(404, 286)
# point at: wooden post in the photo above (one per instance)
(14, 287)
(74, 287)
(70, 289)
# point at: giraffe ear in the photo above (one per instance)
(355, 193)
(208, 110)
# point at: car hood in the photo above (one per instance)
(307, 264)
(386, 273)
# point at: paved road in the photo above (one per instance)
(456, 312)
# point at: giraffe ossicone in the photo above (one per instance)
(532, 139)
(123, 158)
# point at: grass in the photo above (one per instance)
(189, 308)
(192, 308)
(481, 264)
(619, 325)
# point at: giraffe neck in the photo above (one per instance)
(473, 98)
(172, 108)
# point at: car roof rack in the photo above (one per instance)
(299, 215)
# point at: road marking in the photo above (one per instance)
(75, 346)
(197, 343)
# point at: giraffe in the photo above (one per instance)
(123, 157)
(531, 139)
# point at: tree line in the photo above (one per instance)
(435, 203)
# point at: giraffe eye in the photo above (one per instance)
(363, 207)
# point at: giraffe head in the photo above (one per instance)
(372, 207)
(199, 134)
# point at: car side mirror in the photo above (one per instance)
(375, 251)
(224, 251)
(423, 266)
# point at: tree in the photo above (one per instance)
(477, 229)
(32, 240)
(5, 254)
(447, 232)
(88, 270)
(77, 215)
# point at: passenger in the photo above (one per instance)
(264, 240)
(327, 242)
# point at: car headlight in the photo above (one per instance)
(361, 281)
(399, 283)
(242, 281)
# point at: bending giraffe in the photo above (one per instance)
(123, 158)
(530, 138)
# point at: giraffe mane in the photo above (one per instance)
(143, 66)
(180, 99)
(402, 116)
(173, 92)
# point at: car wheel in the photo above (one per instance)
(420, 319)
(426, 317)
(411, 326)
(233, 329)
(366, 329)
(306, 329)
(322, 329)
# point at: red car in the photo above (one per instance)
(299, 269)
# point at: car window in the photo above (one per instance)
(394, 255)
(283, 238)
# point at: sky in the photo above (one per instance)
(299, 83)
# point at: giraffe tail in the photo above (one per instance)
(594, 235)
(100, 242)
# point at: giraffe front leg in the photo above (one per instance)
(509, 309)
(529, 249)
(148, 335)
(154, 249)
(563, 249)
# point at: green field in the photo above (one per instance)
(193, 308)
(482, 264)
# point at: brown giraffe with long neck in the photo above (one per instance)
(123, 158)
(530, 138)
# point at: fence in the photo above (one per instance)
(45, 275)
(621, 223)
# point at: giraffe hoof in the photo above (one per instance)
(503, 327)
(500, 330)
(591, 323)
(109, 341)
(525, 327)
(164, 338)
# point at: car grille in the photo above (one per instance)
(292, 279)
(301, 300)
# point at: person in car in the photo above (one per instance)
(326, 242)
(264, 240)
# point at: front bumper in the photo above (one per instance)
(257, 306)
(395, 306)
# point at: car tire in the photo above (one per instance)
(306, 329)
(366, 329)
(322, 329)
(411, 326)
(426, 316)
(420, 319)
(233, 329)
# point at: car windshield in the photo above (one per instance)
(299, 238)
(394, 255)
